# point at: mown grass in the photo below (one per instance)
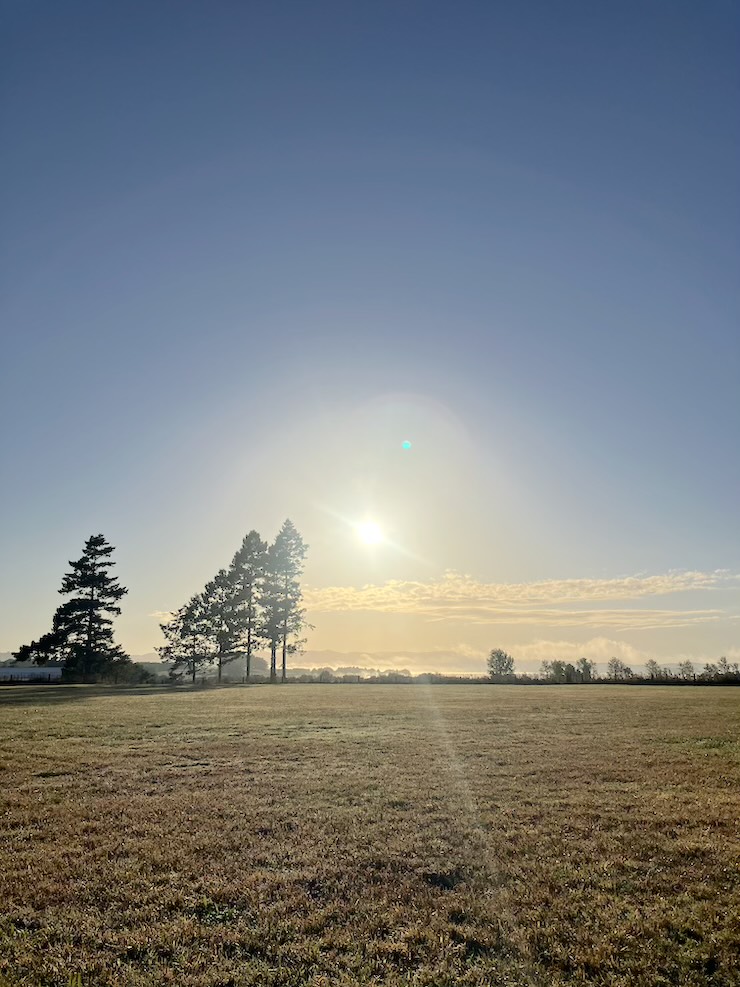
(337, 835)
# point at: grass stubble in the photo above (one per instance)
(338, 835)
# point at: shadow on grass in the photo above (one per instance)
(32, 694)
(37, 694)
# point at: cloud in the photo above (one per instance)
(598, 649)
(457, 597)
(466, 650)
(163, 616)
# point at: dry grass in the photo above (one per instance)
(390, 835)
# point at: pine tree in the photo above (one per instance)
(221, 623)
(246, 576)
(221, 619)
(283, 616)
(82, 628)
(187, 644)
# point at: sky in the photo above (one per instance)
(250, 249)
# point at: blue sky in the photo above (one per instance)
(248, 248)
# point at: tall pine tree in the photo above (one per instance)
(283, 616)
(221, 619)
(246, 575)
(82, 628)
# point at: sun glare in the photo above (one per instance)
(369, 532)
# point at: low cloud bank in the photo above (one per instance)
(457, 597)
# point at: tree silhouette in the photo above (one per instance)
(221, 620)
(187, 645)
(283, 616)
(500, 663)
(256, 599)
(686, 670)
(618, 669)
(586, 669)
(82, 628)
(247, 574)
(565, 671)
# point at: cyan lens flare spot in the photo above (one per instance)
(405, 444)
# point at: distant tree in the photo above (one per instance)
(728, 671)
(247, 575)
(653, 668)
(585, 669)
(500, 664)
(123, 672)
(558, 671)
(283, 616)
(187, 644)
(618, 669)
(82, 628)
(615, 667)
(686, 670)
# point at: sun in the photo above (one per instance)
(369, 532)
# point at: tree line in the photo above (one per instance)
(501, 669)
(254, 603)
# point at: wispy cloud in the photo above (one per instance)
(163, 616)
(598, 649)
(456, 597)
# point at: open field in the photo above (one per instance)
(345, 835)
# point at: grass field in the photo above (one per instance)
(343, 835)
